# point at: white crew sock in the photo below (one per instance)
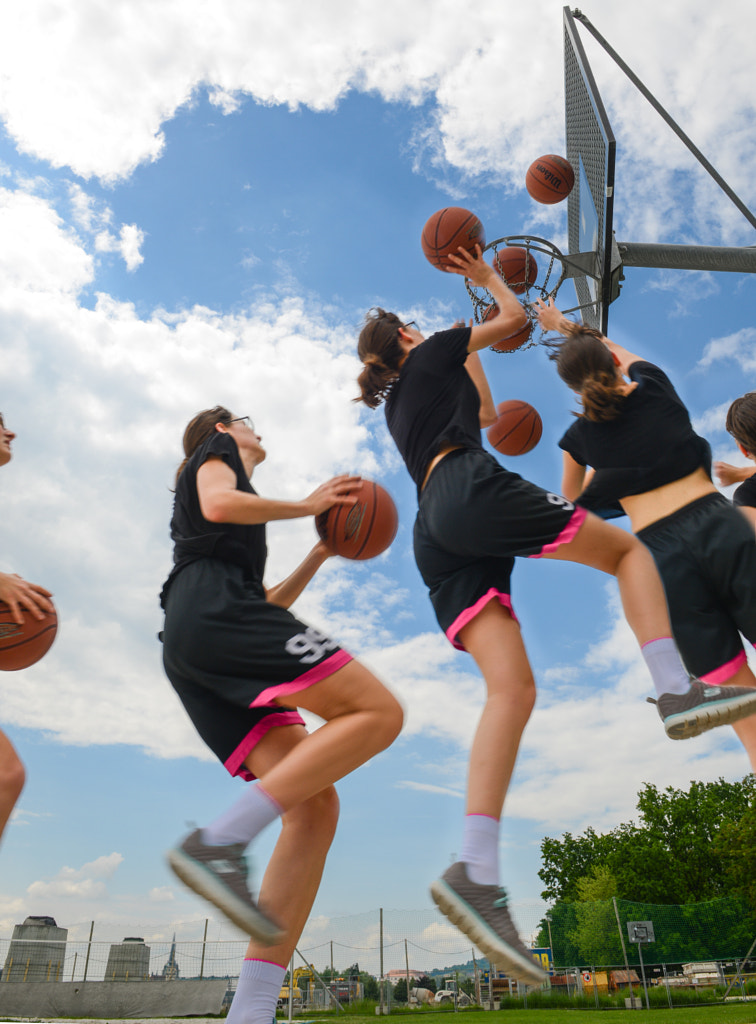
(667, 671)
(243, 820)
(257, 993)
(480, 849)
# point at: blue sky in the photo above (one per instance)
(197, 211)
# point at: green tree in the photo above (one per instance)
(427, 982)
(736, 846)
(595, 933)
(400, 991)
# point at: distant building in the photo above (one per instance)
(37, 951)
(170, 971)
(128, 960)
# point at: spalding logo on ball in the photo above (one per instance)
(362, 530)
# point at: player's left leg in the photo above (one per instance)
(289, 885)
(12, 778)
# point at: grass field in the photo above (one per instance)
(731, 1013)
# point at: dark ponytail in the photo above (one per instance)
(587, 367)
(199, 429)
(381, 353)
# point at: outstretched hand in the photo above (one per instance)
(19, 594)
(472, 266)
(549, 317)
(727, 474)
(339, 490)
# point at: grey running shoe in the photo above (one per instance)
(480, 912)
(703, 707)
(219, 874)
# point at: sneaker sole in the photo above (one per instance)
(206, 884)
(687, 724)
(485, 938)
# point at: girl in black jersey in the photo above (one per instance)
(474, 517)
(20, 596)
(238, 659)
(635, 433)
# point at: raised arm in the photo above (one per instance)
(573, 477)
(474, 367)
(728, 474)
(552, 319)
(512, 316)
(221, 502)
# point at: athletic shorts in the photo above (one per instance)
(474, 518)
(228, 653)
(706, 557)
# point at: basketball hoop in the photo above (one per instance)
(551, 273)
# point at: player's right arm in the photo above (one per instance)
(19, 594)
(511, 317)
(221, 502)
(552, 319)
(728, 474)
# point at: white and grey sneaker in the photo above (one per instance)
(703, 707)
(219, 874)
(480, 912)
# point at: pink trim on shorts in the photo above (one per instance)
(235, 763)
(469, 614)
(724, 672)
(568, 533)
(314, 675)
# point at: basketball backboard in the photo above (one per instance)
(596, 265)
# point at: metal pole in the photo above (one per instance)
(320, 980)
(291, 988)
(406, 967)
(643, 973)
(739, 969)
(204, 941)
(478, 999)
(666, 985)
(89, 948)
(624, 951)
(381, 1009)
(719, 258)
(668, 118)
(73, 969)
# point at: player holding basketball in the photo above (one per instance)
(474, 517)
(18, 594)
(237, 659)
(636, 434)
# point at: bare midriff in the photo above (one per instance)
(647, 508)
(436, 459)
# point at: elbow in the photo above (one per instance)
(487, 419)
(214, 511)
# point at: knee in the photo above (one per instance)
(316, 817)
(392, 720)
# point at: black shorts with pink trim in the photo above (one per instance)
(229, 654)
(706, 556)
(474, 518)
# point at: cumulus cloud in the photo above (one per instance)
(86, 882)
(93, 90)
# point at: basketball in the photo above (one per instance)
(22, 646)
(517, 429)
(446, 230)
(512, 341)
(517, 266)
(550, 179)
(363, 530)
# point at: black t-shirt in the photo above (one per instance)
(434, 402)
(195, 537)
(745, 493)
(650, 443)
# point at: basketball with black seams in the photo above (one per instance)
(513, 341)
(517, 429)
(550, 179)
(362, 530)
(446, 230)
(517, 266)
(24, 645)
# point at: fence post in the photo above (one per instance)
(89, 949)
(380, 1008)
(624, 951)
(204, 942)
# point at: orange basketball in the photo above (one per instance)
(512, 341)
(446, 230)
(22, 646)
(517, 266)
(363, 530)
(550, 179)
(517, 429)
